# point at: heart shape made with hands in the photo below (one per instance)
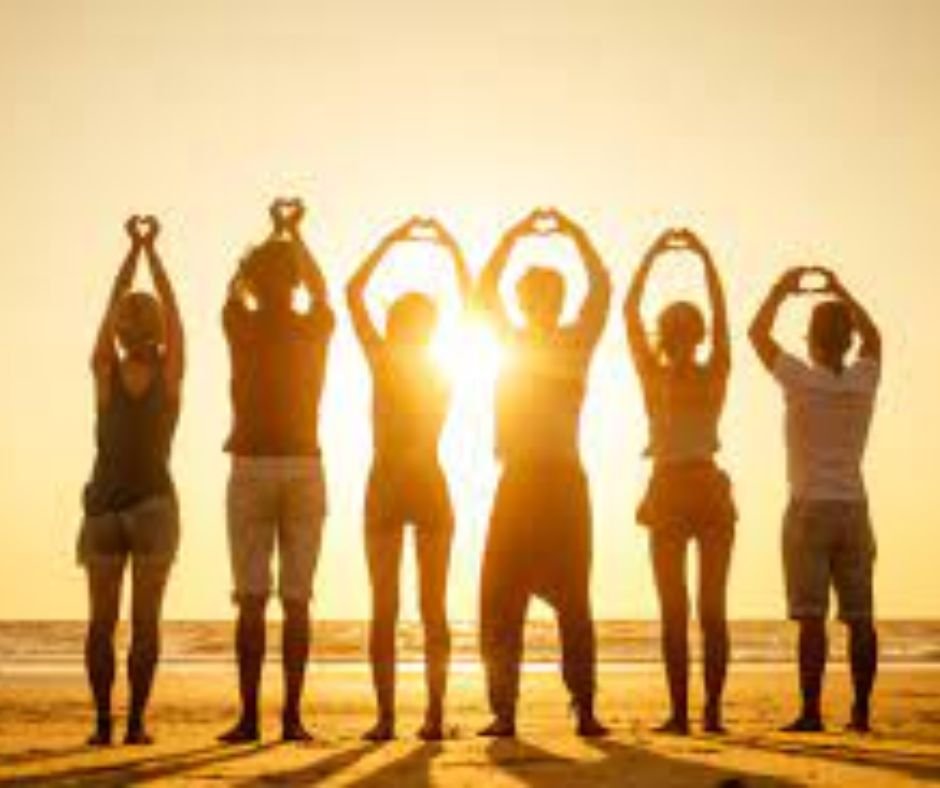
(814, 281)
(286, 209)
(145, 226)
(423, 228)
(544, 222)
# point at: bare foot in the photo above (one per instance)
(804, 724)
(383, 730)
(590, 728)
(294, 730)
(244, 732)
(499, 728)
(137, 735)
(101, 737)
(673, 727)
(712, 721)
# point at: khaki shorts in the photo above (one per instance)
(275, 501)
(148, 531)
(828, 544)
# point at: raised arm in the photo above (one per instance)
(644, 356)
(720, 358)
(365, 329)
(593, 314)
(175, 358)
(762, 326)
(487, 294)
(871, 336)
(104, 354)
(462, 272)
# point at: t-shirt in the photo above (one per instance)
(278, 367)
(539, 396)
(683, 409)
(410, 399)
(827, 422)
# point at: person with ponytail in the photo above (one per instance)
(131, 512)
(689, 495)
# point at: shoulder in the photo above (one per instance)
(864, 374)
(791, 371)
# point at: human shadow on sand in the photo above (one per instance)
(310, 773)
(619, 765)
(414, 769)
(916, 765)
(140, 770)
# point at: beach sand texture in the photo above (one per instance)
(44, 716)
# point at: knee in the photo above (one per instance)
(713, 618)
(862, 630)
(102, 627)
(296, 612)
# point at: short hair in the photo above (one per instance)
(540, 282)
(831, 327)
(411, 311)
(681, 322)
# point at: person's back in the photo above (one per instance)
(539, 540)
(828, 539)
(540, 394)
(278, 369)
(277, 491)
(410, 401)
(828, 415)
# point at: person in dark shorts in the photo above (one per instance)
(828, 540)
(276, 491)
(539, 539)
(410, 402)
(689, 496)
(131, 512)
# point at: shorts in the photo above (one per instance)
(275, 501)
(690, 499)
(147, 531)
(828, 544)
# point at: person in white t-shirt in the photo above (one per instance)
(827, 534)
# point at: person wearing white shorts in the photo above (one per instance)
(276, 492)
(827, 535)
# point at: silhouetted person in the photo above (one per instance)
(539, 540)
(131, 512)
(276, 492)
(410, 401)
(827, 533)
(689, 496)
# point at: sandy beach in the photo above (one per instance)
(44, 716)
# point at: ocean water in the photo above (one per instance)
(48, 643)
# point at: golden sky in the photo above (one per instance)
(782, 131)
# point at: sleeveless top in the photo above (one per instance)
(134, 437)
(684, 413)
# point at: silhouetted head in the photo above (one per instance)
(411, 320)
(271, 273)
(831, 329)
(138, 324)
(681, 330)
(541, 294)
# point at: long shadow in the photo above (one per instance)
(144, 770)
(412, 770)
(40, 754)
(620, 765)
(917, 766)
(312, 773)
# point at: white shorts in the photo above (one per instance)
(275, 501)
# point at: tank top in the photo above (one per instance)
(683, 414)
(134, 437)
